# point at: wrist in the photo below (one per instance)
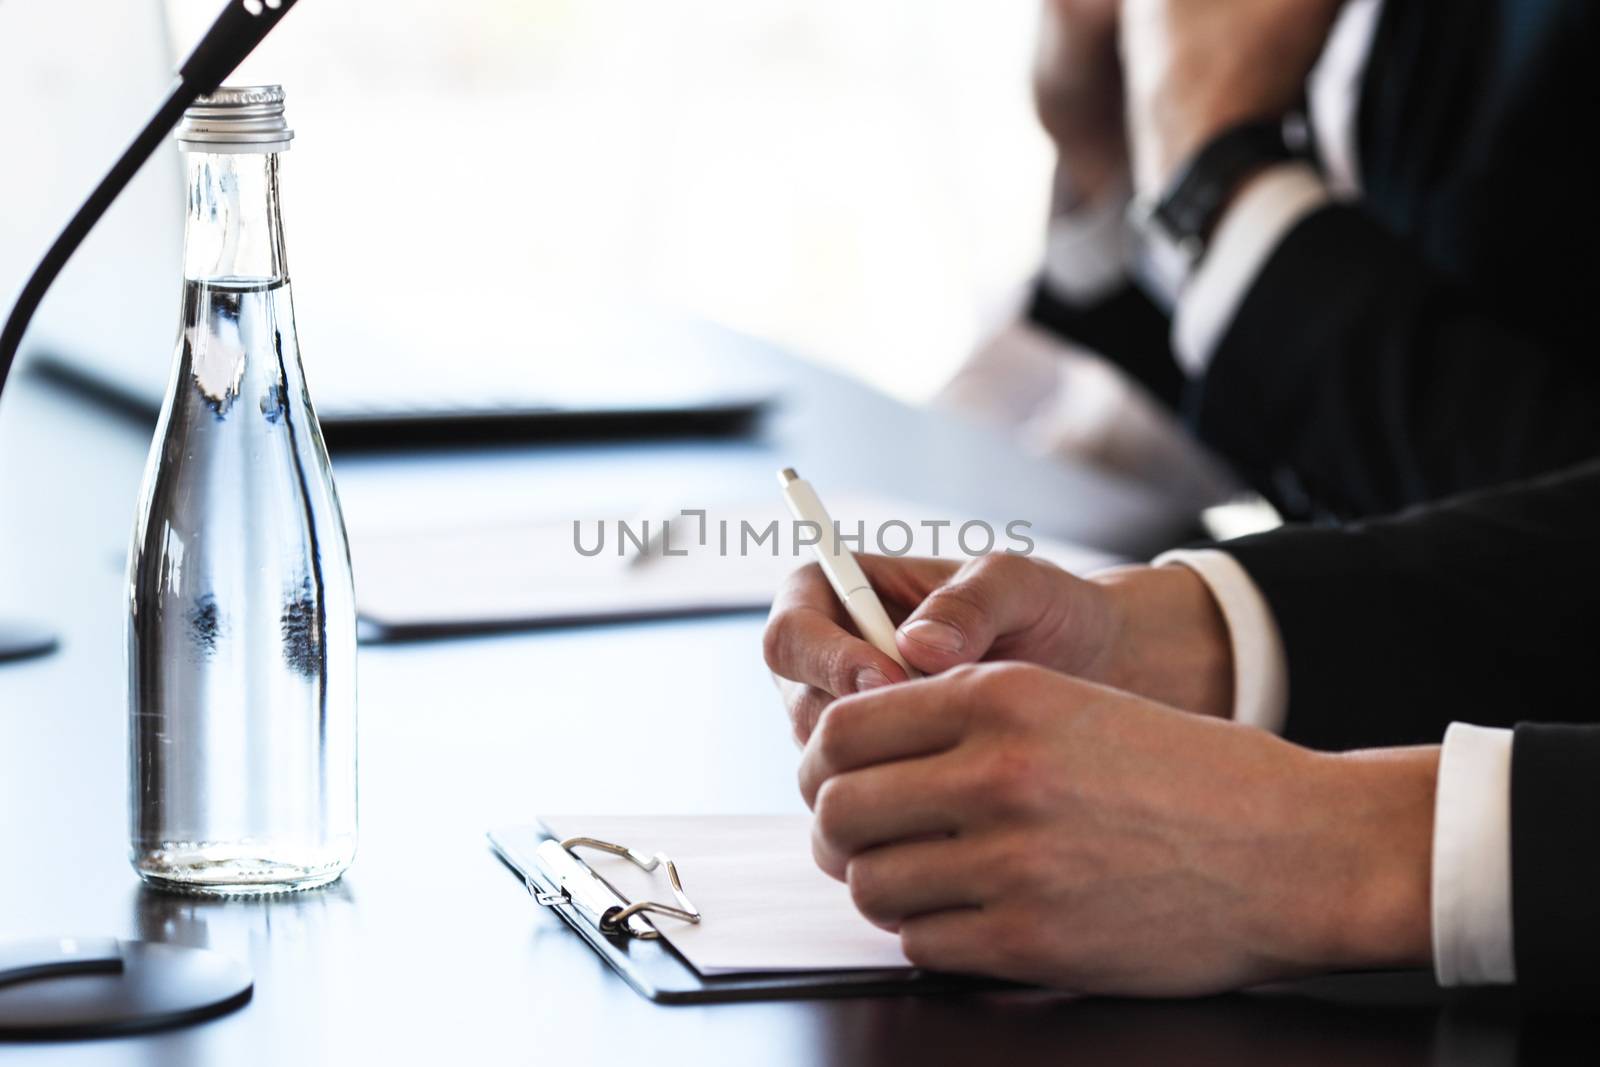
(1169, 640)
(1178, 223)
(1177, 146)
(1378, 914)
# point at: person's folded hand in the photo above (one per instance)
(1009, 821)
(1153, 631)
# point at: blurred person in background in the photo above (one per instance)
(1390, 319)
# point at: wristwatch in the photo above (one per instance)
(1177, 228)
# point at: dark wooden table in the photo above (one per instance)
(428, 951)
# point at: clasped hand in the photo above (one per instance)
(1026, 819)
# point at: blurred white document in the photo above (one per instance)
(765, 905)
(531, 572)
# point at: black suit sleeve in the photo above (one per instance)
(1125, 327)
(1378, 383)
(1555, 863)
(1482, 609)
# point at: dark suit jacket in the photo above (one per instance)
(1482, 609)
(1439, 335)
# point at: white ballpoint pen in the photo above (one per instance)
(844, 573)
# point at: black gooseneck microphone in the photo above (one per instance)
(242, 25)
(184, 986)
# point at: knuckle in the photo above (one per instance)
(832, 734)
(1003, 566)
(921, 947)
(804, 712)
(967, 676)
(1015, 942)
(1016, 781)
(1004, 687)
(990, 683)
(972, 690)
(832, 812)
(827, 857)
(1008, 675)
(1008, 781)
(775, 639)
(870, 889)
(1001, 572)
(914, 943)
(1015, 867)
(839, 669)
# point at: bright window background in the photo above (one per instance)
(862, 182)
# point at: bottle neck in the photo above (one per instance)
(234, 231)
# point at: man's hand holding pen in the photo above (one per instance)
(1039, 808)
(1152, 631)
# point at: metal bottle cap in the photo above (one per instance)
(236, 118)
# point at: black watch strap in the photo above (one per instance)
(1197, 198)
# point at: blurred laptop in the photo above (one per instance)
(395, 352)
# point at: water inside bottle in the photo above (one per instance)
(242, 616)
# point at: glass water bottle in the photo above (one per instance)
(241, 620)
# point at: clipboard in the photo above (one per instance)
(621, 932)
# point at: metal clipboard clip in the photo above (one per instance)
(579, 887)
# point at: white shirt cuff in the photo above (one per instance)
(1089, 252)
(1270, 206)
(1260, 666)
(1472, 859)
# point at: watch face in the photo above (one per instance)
(1165, 258)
